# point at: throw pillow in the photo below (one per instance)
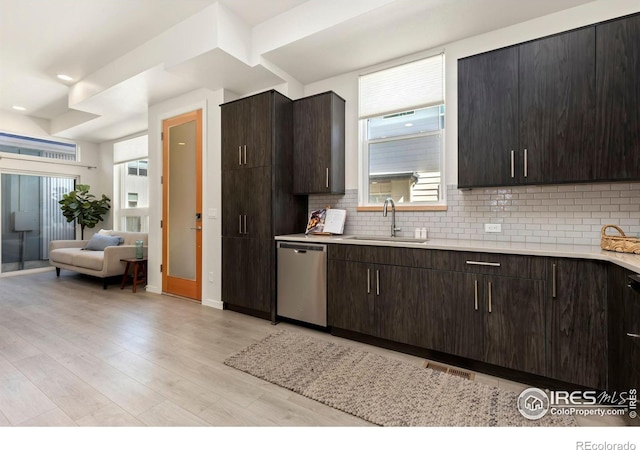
(99, 241)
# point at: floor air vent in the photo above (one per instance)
(450, 370)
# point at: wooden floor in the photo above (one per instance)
(73, 354)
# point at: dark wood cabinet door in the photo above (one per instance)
(452, 318)
(618, 99)
(233, 187)
(624, 327)
(488, 118)
(351, 296)
(318, 136)
(246, 273)
(557, 108)
(258, 130)
(233, 120)
(257, 202)
(577, 322)
(399, 302)
(514, 323)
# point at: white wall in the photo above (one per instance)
(346, 85)
(209, 102)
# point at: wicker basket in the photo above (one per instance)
(622, 243)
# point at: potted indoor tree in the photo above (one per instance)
(83, 207)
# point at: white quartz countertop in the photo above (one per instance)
(627, 260)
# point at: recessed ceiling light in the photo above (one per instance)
(64, 77)
(19, 108)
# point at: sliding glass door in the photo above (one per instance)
(31, 218)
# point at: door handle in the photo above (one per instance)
(239, 155)
(475, 288)
(245, 224)
(489, 296)
(196, 228)
(554, 283)
(482, 263)
(327, 183)
(513, 164)
(633, 335)
(299, 251)
(245, 155)
(240, 224)
(368, 281)
(377, 282)
(525, 163)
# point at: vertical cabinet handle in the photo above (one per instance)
(633, 335)
(554, 284)
(327, 178)
(245, 155)
(245, 224)
(513, 164)
(368, 281)
(239, 155)
(240, 224)
(377, 282)
(489, 291)
(525, 163)
(475, 289)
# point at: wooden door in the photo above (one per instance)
(488, 118)
(618, 99)
(514, 323)
(577, 322)
(182, 206)
(557, 108)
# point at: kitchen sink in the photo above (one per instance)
(386, 239)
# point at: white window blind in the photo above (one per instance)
(414, 85)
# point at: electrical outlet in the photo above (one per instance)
(210, 277)
(493, 228)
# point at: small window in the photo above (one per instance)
(402, 133)
(132, 200)
(43, 148)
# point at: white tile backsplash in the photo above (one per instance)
(565, 214)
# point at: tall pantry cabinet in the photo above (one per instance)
(257, 198)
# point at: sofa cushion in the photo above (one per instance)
(89, 260)
(63, 255)
(100, 241)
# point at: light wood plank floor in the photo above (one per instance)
(73, 354)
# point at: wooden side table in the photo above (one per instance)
(139, 276)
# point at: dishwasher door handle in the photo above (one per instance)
(299, 251)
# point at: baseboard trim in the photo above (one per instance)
(153, 289)
(217, 304)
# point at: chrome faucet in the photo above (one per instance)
(393, 215)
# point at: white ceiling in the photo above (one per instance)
(127, 54)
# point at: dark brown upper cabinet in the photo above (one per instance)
(318, 143)
(618, 99)
(526, 113)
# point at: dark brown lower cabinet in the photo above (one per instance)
(246, 272)
(514, 323)
(624, 329)
(499, 320)
(577, 321)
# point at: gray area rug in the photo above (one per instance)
(378, 389)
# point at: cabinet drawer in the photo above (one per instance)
(393, 256)
(520, 266)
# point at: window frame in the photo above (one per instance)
(364, 143)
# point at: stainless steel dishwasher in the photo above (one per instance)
(302, 282)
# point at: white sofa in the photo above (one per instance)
(69, 255)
